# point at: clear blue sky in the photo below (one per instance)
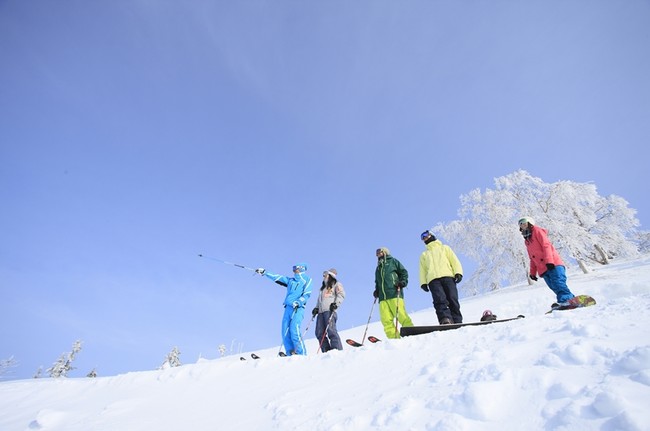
(135, 135)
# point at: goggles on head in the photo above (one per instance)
(424, 235)
(299, 268)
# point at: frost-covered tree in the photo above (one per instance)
(644, 242)
(6, 365)
(172, 359)
(64, 364)
(584, 227)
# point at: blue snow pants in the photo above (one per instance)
(291, 338)
(556, 279)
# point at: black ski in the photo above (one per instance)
(282, 354)
(373, 339)
(417, 330)
(254, 356)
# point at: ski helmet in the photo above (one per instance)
(526, 220)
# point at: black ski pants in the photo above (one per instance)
(445, 299)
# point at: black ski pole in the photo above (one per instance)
(367, 324)
(227, 263)
(307, 328)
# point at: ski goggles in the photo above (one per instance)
(424, 235)
(299, 268)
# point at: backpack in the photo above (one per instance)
(488, 316)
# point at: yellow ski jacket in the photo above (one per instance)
(438, 261)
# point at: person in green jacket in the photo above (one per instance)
(390, 279)
(440, 272)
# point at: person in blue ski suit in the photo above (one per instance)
(298, 292)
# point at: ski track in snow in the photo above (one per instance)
(583, 369)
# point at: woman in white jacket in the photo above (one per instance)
(330, 298)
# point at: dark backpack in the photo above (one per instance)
(488, 316)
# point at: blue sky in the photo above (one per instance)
(135, 135)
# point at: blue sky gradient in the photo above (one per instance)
(135, 135)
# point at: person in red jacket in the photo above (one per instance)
(545, 261)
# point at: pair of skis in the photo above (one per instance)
(353, 343)
(349, 341)
(254, 356)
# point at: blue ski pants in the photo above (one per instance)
(291, 338)
(556, 279)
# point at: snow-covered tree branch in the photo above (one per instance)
(172, 359)
(64, 364)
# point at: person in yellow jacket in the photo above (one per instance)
(390, 280)
(440, 272)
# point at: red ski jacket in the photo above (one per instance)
(541, 251)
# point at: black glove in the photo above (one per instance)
(458, 278)
(532, 277)
(314, 312)
(550, 266)
(296, 304)
(375, 294)
(333, 306)
(424, 287)
(260, 271)
(400, 285)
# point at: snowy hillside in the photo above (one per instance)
(584, 369)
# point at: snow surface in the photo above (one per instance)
(585, 369)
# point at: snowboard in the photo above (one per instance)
(580, 302)
(405, 331)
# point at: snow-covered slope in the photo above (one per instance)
(584, 369)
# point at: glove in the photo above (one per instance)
(375, 294)
(333, 306)
(400, 285)
(532, 277)
(260, 271)
(458, 278)
(314, 312)
(550, 266)
(296, 304)
(424, 287)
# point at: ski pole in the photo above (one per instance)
(367, 324)
(228, 263)
(397, 313)
(307, 328)
(322, 340)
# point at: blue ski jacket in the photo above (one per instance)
(298, 287)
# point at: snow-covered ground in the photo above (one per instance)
(585, 369)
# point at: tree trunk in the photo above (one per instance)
(583, 266)
(603, 256)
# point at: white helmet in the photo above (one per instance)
(527, 220)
